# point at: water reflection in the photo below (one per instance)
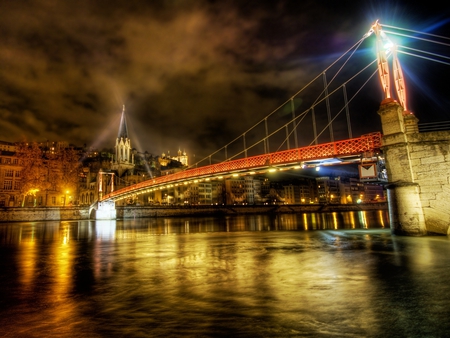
(105, 230)
(284, 222)
(314, 275)
(110, 229)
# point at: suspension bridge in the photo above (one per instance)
(289, 138)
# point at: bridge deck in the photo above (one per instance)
(354, 146)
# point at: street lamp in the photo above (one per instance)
(65, 197)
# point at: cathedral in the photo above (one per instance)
(128, 166)
(123, 159)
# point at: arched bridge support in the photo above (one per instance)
(106, 210)
(418, 166)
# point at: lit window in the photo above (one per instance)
(7, 185)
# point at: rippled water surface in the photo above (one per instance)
(305, 275)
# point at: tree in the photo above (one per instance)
(56, 171)
(34, 170)
(66, 170)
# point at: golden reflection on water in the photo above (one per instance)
(363, 219)
(349, 218)
(26, 258)
(62, 279)
(188, 271)
(335, 221)
(381, 218)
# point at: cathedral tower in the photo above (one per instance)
(124, 158)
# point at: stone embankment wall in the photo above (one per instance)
(74, 213)
(142, 212)
(430, 158)
(42, 214)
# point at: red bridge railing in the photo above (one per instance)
(347, 147)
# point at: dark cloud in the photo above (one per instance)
(193, 75)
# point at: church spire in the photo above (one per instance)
(124, 158)
(123, 131)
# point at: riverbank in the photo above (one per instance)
(226, 210)
(82, 213)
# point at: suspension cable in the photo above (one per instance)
(424, 57)
(417, 32)
(417, 38)
(306, 111)
(425, 52)
(320, 101)
(356, 45)
(323, 130)
(325, 90)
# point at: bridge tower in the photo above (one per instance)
(405, 205)
(417, 164)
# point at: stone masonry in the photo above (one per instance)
(418, 166)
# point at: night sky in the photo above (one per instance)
(193, 75)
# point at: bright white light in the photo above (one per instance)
(317, 168)
(388, 45)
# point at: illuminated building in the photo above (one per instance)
(182, 158)
(328, 190)
(7, 146)
(166, 161)
(291, 193)
(124, 158)
(374, 193)
(10, 174)
(299, 192)
(242, 190)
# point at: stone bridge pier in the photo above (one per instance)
(418, 166)
(104, 210)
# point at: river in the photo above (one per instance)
(289, 275)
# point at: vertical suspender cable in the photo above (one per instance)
(347, 111)
(267, 136)
(287, 137)
(313, 114)
(245, 146)
(293, 123)
(330, 124)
